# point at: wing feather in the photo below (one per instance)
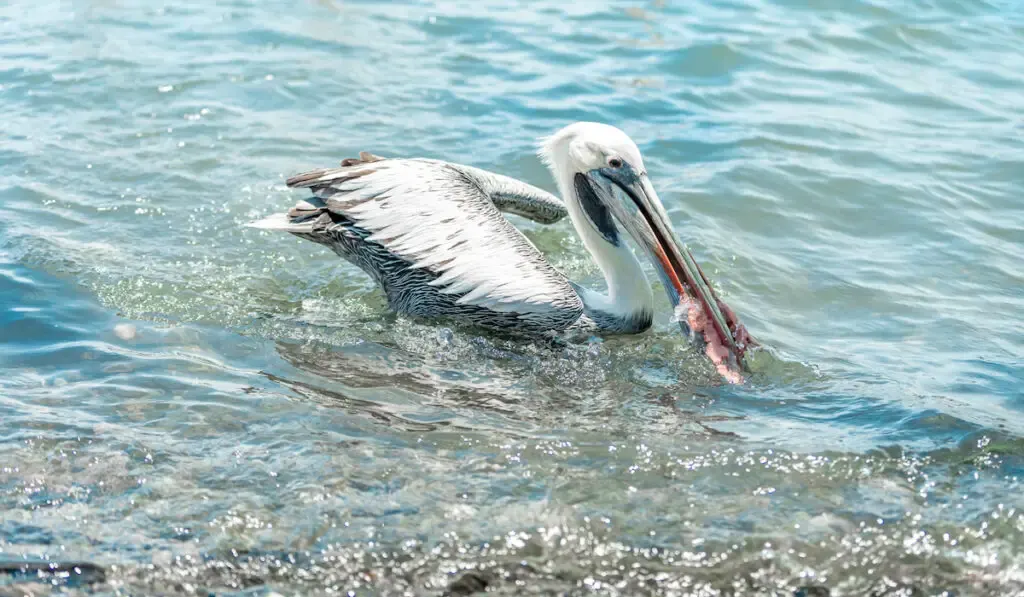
(440, 218)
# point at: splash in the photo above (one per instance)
(725, 362)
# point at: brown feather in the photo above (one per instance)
(365, 157)
(299, 179)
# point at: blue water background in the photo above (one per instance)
(196, 406)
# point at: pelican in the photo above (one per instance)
(432, 235)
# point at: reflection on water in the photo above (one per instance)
(413, 396)
(192, 407)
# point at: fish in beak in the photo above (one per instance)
(631, 199)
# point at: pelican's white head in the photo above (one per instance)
(602, 177)
(586, 146)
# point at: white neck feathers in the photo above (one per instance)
(629, 292)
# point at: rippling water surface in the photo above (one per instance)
(190, 406)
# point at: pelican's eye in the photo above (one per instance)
(614, 162)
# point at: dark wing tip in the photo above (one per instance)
(306, 178)
(555, 214)
(307, 208)
(365, 157)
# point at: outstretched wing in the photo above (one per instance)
(516, 197)
(508, 194)
(440, 217)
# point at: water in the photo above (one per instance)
(193, 407)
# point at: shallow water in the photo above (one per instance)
(192, 406)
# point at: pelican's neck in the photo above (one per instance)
(629, 294)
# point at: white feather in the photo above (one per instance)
(280, 222)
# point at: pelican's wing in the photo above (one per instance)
(516, 197)
(508, 194)
(438, 217)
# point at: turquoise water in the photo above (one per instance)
(193, 407)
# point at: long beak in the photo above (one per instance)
(684, 280)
